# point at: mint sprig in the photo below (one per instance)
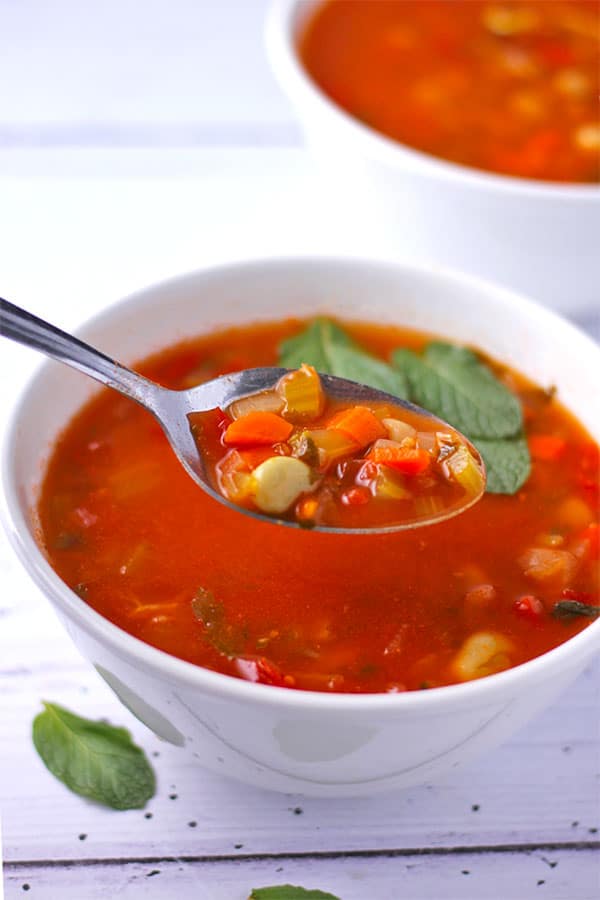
(328, 348)
(289, 892)
(93, 759)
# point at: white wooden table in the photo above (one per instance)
(115, 179)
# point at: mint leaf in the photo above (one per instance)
(507, 463)
(289, 892)
(330, 350)
(455, 385)
(94, 759)
(452, 383)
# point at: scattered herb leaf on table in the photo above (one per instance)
(93, 759)
(289, 892)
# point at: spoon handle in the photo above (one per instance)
(25, 328)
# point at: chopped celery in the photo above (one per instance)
(302, 394)
(462, 467)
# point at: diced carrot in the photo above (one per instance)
(256, 429)
(547, 447)
(408, 460)
(260, 670)
(360, 424)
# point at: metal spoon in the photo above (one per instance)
(171, 408)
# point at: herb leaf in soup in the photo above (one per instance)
(454, 384)
(289, 892)
(451, 382)
(93, 759)
(566, 609)
(507, 463)
(330, 350)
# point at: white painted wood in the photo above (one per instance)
(564, 875)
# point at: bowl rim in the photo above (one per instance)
(297, 84)
(159, 663)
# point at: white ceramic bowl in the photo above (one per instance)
(322, 744)
(537, 237)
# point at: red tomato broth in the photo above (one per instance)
(509, 87)
(126, 527)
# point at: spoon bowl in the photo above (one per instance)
(172, 408)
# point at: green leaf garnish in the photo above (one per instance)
(330, 350)
(455, 385)
(566, 609)
(93, 759)
(289, 892)
(507, 463)
(452, 383)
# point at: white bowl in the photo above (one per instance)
(321, 744)
(538, 237)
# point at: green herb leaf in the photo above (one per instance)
(566, 609)
(330, 350)
(452, 383)
(289, 892)
(94, 759)
(507, 463)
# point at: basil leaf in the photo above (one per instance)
(451, 382)
(330, 350)
(566, 609)
(454, 385)
(507, 463)
(289, 892)
(93, 759)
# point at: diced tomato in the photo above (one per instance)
(530, 607)
(591, 535)
(547, 447)
(555, 53)
(260, 670)
(356, 496)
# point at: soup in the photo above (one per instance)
(299, 455)
(514, 576)
(509, 87)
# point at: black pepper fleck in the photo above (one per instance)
(192, 824)
(476, 807)
(153, 872)
(26, 887)
(237, 846)
(280, 869)
(298, 810)
(566, 749)
(147, 815)
(574, 824)
(593, 830)
(466, 872)
(82, 837)
(541, 881)
(172, 796)
(155, 754)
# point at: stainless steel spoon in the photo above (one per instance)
(171, 408)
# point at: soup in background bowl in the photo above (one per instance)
(449, 166)
(314, 741)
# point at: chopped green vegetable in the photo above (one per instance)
(93, 759)
(289, 892)
(452, 383)
(330, 350)
(566, 609)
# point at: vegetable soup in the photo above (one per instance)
(510, 87)
(512, 577)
